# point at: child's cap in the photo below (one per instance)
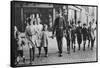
(79, 22)
(84, 24)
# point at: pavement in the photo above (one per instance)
(77, 56)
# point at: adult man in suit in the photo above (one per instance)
(58, 27)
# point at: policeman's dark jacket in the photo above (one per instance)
(59, 26)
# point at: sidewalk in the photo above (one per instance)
(78, 56)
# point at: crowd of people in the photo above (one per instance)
(36, 35)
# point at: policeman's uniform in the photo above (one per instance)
(59, 26)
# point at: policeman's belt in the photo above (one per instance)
(59, 28)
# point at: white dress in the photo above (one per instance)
(33, 31)
(31, 39)
(44, 39)
(39, 33)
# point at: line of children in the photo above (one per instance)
(83, 34)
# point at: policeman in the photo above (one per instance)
(58, 27)
(84, 35)
(79, 34)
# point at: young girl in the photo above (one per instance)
(44, 41)
(30, 34)
(21, 42)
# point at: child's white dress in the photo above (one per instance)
(38, 35)
(44, 39)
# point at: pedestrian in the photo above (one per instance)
(31, 36)
(44, 40)
(79, 34)
(59, 27)
(84, 35)
(73, 36)
(16, 33)
(67, 30)
(21, 43)
(91, 36)
(68, 37)
(39, 28)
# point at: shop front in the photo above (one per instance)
(45, 12)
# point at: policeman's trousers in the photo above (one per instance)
(59, 42)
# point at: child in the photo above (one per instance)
(30, 35)
(21, 42)
(78, 34)
(73, 37)
(91, 36)
(84, 34)
(44, 41)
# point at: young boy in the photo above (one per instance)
(73, 37)
(84, 35)
(91, 36)
(79, 34)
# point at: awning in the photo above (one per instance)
(74, 8)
